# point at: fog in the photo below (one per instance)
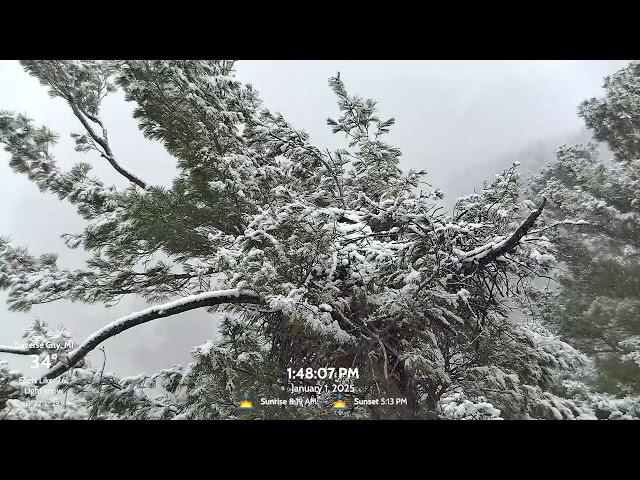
(459, 120)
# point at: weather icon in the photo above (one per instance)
(246, 404)
(339, 404)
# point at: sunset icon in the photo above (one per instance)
(339, 404)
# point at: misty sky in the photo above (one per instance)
(452, 117)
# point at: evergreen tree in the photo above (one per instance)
(313, 258)
(597, 304)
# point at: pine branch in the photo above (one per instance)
(104, 144)
(207, 299)
(488, 255)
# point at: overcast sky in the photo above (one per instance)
(452, 118)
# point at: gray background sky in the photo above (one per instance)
(460, 120)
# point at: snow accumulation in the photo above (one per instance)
(156, 311)
(457, 407)
(16, 350)
(413, 277)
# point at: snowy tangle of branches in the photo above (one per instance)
(309, 257)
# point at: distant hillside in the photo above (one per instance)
(463, 181)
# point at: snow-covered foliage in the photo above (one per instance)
(26, 410)
(457, 407)
(603, 405)
(597, 307)
(332, 258)
(17, 399)
(614, 118)
(10, 388)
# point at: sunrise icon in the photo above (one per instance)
(245, 403)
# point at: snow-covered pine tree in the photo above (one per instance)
(597, 307)
(311, 257)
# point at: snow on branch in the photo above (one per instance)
(206, 299)
(488, 253)
(105, 151)
(17, 350)
(559, 224)
(83, 84)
